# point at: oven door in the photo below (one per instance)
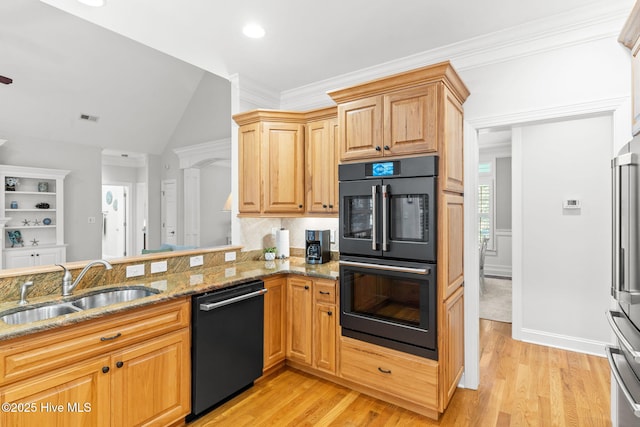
(391, 304)
(409, 218)
(360, 217)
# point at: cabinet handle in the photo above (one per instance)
(384, 371)
(324, 293)
(386, 147)
(324, 206)
(329, 313)
(118, 335)
(37, 254)
(119, 364)
(330, 206)
(306, 287)
(377, 148)
(300, 206)
(32, 255)
(105, 369)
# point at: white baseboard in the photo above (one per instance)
(497, 270)
(563, 342)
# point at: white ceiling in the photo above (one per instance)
(63, 66)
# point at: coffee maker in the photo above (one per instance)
(317, 246)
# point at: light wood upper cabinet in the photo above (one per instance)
(250, 163)
(399, 115)
(271, 162)
(630, 37)
(360, 124)
(452, 150)
(283, 162)
(411, 121)
(322, 166)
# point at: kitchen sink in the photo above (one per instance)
(97, 299)
(104, 298)
(38, 313)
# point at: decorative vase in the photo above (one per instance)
(43, 187)
(269, 256)
(14, 205)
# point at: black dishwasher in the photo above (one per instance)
(226, 343)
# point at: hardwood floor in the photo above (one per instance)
(520, 384)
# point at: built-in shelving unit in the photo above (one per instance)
(32, 235)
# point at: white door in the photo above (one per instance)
(169, 212)
(115, 219)
(140, 221)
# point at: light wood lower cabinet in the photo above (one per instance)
(125, 369)
(312, 323)
(275, 320)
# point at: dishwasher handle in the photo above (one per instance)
(214, 305)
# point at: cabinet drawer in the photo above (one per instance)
(406, 376)
(325, 291)
(44, 351)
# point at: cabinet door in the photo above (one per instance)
(74, 396)
(453, 350)
(283, 163)
(151, 381)
(19, 259)
(274, 321)
(360, 124)
(411, 121)
(321, 178)
(450, 244)
(334, 144)
(299, 313)
(324, 345)
(452, 152)
(250, 167)
(49, 256)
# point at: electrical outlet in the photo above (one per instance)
(158, 267)
(135, 270)
(274, 230)
(195, 261)
(91, 220)
(229, 256)
(332, 236)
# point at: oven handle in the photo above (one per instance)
(623, 340)
(385, 205)
(214, 305)
(635, 406)
(387, 267)
(374, 217)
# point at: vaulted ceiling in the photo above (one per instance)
(64, 66)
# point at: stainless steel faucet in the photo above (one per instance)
(67, 286)
(24, 288)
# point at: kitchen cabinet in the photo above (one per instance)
(299, 319)
(630, 37)
(452, 347)
(321, 155)
(312, 323)
(402, 115)
(131, 368)
(32, 257)
(33, 202)
(325, 325)
(275, 303)
(271, 163)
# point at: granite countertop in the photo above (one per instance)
(171, 286)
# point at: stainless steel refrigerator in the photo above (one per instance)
(624, 358)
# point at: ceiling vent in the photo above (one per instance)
(89, 117)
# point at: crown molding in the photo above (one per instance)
(255, 93)
(197, 155)
(580, 25)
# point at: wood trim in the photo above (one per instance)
(260, 115)
(442, 71)
(631, 29)
(321, 114)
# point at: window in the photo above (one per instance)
(485, 210)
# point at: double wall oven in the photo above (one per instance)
(388, 253)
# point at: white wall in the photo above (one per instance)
(566, 253)
(215, 224)
(82, 192)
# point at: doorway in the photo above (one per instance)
(169, 208)
(116, 238)
(494, 224)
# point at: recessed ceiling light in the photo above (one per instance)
(93, 3)
(254, 31)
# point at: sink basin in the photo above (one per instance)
(38, 313)
(109, 297)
